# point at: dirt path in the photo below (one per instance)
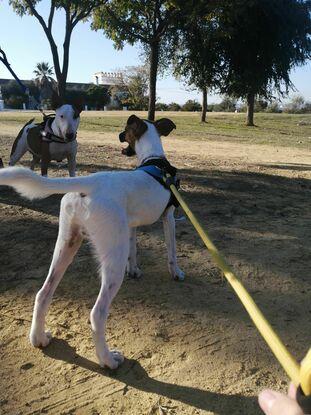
(190, 347)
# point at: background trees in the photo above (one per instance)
(97, 97)
(261, 41)
(75, 11)
(196, 54)
(45, 81)
(144, 21)
(241, 48)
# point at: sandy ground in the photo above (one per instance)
(190, 347)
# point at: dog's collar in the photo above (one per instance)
(150, 158)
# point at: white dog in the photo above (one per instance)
(54, 139)
(107, 207)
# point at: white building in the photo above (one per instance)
(108, 78)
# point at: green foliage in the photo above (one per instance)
(173, 106)
(136, 82)
(78, 8)
(160, 106)
(43, 70)
(228, 104)
(262, 40)
(195, 50)
(149, 22)
(13, 96)
(191, 105)
(97, 97)
(298, 105)
(274, 107)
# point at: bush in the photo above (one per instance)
(173, 106)
(228, 104)
(191, 105)
(160, 106)
(274, 107)
(97, 97)
(13, 95)
(298, 105)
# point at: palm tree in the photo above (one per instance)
(44, 80)
(43, 72)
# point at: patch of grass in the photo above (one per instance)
(289, 130)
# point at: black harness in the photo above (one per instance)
(47, 132)
(159, 169)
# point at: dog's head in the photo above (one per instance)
(67, 117)
(143, 137)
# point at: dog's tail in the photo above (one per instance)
(33, 186)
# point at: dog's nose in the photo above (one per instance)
(122, 137)
(70, 136)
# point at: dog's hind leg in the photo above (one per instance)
(19, 148)
(170, 240)
(111, 240)
(35, 160)
(67, 244)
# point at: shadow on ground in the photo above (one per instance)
(133, 375)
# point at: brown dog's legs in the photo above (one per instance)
(46, 158)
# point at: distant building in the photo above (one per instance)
(108, 79)
(1, 101)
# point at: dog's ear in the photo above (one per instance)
(137, 125)
(78, 106)
(164, 126)
(56, 100)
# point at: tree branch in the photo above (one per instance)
(51, 16)
(49, 35)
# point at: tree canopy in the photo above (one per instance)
(144, 21)
(261, 42)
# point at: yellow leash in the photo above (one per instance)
(299, 374)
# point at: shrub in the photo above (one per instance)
(191, 105)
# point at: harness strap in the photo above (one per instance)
(47, 133)
(159, 169)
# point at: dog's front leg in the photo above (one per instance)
(169, 234)
(132, 270)
(72, 165)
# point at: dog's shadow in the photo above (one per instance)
(132, 374)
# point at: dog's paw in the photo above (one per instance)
(178, 275)
(113, 359)
(134, 273)
(40, 339)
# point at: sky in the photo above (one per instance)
(25, 44)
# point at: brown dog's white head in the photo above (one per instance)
(67, 117)
(143, 136)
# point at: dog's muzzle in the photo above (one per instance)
(122, 137)
(128, 151)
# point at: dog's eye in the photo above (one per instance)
(61, 116)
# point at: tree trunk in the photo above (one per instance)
(250, 110)
(204, 104)
(154, 60)
(61, 87)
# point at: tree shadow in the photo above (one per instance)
(132, 374)
(288, 166)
